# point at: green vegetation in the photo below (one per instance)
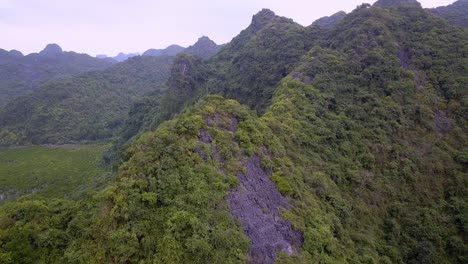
(61, 171)
(93, 105)
(329, 21)
(88, 107)
(361, 126)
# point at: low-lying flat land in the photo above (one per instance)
(67, 171)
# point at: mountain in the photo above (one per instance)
(397, 3)
(291, 145)
(122, 56)
(247, 69)
(172, 50)
(90, 106)
(21, 75)
(456, 13)
(204, 48)
(329, 21)
(39, 117)
(251, 65)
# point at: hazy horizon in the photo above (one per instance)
(110, 27)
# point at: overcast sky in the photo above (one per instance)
(111, 26)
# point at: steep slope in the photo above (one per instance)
(91, 106)
(251, 65)
(246, 69)
(188, 73)
(20, 74)
(455, 14)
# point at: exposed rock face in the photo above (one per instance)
(256, 202)
(443, 124)
(405, 63)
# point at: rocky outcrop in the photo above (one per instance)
(257, 203)
(443, 124)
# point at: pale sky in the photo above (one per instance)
(112, 26)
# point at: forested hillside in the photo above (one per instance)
(90, 106)
(20, 74)
(204, 48)
(345, 143)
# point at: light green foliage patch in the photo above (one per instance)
(62, 171)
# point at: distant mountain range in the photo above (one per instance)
(204, 48)
(91, 105)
